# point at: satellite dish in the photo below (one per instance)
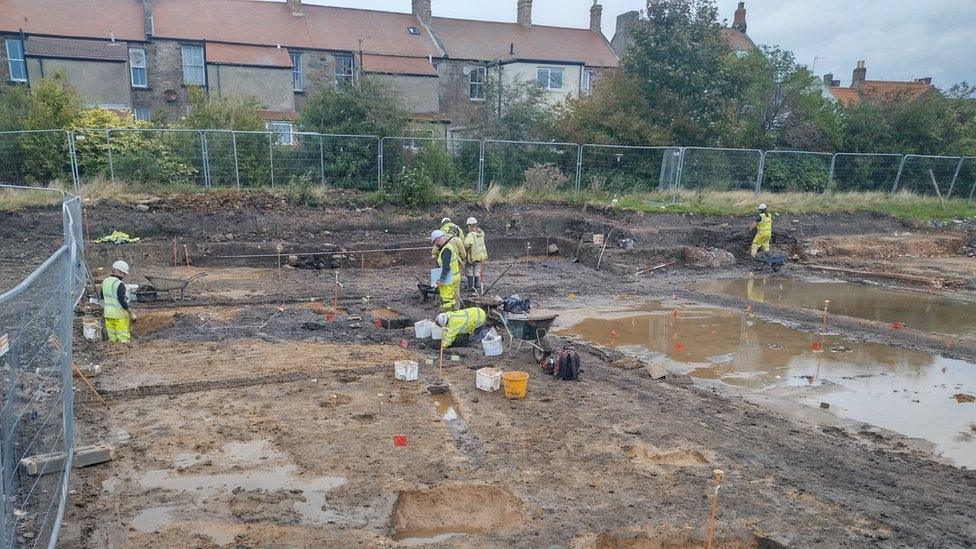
(170, 95)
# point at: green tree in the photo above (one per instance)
(13, 107)
(367, 108)
(613, 114)
(515, 111)
(51, 104)
(241, 113)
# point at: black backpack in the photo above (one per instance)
(567, 367)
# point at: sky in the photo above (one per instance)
(898, 39)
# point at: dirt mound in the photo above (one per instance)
(458, 509)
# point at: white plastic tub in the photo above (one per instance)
(436, 332)
(130, 292)
(489, 379)
(422, 329)
(405, 370)
(492, 344)
(92, 329)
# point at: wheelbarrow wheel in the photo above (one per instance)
(542, 351)
(147, 294)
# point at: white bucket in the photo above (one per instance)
(92, 329)
(489, 379)
(405, 370)
(492, 343)
(436, 332)
(422, 329)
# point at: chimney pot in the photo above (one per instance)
(739, 22)
(525, 13)
(296, 8)
(828, 79)
(860, 75)
(421, 10)
(596, 17)
(926, 80)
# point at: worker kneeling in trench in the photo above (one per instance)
(461, 327)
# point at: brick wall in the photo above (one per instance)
(319, 69)
(455, 103)
(164, 62)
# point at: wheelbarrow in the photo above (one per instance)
(773, 262)
(160, 284)
(527, 329)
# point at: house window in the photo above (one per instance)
(476, 83)
(283, 132)
(193, 66)
(343, 69)
(298, 80)
(137, 67)
(550, 79)
(15, 60)
(141, 113)
(587, 81)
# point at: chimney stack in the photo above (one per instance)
(525, 13)
(596, 17)
(828, 79)
(296, 8)
(860, 75)
(421, 10)
(739, 23)
(147, 12)
(926, 80)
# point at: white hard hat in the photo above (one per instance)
(762, 206)
(472, 221)
(121, 266)
(445, 220)
(441, 320)
(436, 234)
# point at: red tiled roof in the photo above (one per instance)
(271, 23)
(489, 41)
(254, 56)
(738, 41)
(73, 48)
(881, 91)
(74, 18)
(390, 64)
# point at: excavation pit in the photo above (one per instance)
(427, 516)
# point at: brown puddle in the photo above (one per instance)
(921, 311)
(905, 391)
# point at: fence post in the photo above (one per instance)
(379, 163)
(759, 175)
(677, 179)
(481, 168)
(73, 160)
(901, 168)
(271, 156)
(579, 168)
(237, 167)
(111, 167)
(205, 158)
(955, 176)
(321, 160)
(830, 176)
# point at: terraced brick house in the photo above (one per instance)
(142, 56)
(875, 91)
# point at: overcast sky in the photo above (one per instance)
(899, 39)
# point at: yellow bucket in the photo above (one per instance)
(514, 384)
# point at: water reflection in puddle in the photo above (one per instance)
(921, 311)
(906, 391)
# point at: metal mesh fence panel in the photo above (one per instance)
(720, 169)
(865, 172)
(298, 159)
(157, 157)
(452, 163)
(36, 395)
(965, 186)
(796, 172)
(35, 158)
(618, 169)
(917, 173)
(539, 166)
(247, 157)
(351, 161)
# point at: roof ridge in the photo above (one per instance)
(514, 23)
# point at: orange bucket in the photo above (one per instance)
(514, 384)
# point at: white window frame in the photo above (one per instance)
(586, 86)
(342, 77)
(194, 63)
(297, 75)
(478, 84)
(22, 63)
(137, 110)
(549, 71)
(284, 132)
(135, 69)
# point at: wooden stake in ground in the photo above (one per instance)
(823, 326)
(176, 254)
(91, 387)
(335, 295)
(711, 516)
(936, 187)
(186, 254)
(84, 214)
(440, 368)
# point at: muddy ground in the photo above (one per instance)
(252, 415)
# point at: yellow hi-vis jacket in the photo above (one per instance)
(465, 321)
(456, 244)
(110, 297)
(452, 228)
(764, 227)
(475, 243)
(455, 262)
